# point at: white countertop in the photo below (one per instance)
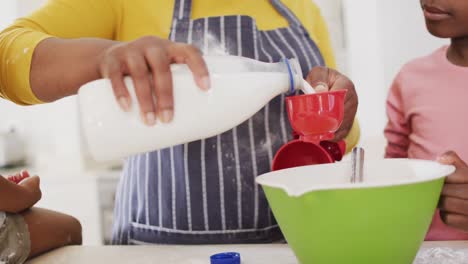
(250, 254)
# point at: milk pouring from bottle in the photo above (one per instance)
(240, 87)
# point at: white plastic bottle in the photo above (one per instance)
(240, 87)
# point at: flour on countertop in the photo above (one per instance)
(441, 255)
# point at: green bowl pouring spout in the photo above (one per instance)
(328, 220)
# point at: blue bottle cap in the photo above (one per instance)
(226, 258)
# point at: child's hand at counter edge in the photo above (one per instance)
(15, 198)
(453, 202)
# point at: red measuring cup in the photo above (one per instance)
(314, 118)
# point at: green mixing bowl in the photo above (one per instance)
(328, 220)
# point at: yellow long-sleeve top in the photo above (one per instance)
(125, 20)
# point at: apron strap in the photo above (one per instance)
(286, 13)
(182, 10)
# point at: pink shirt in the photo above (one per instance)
(428, 115)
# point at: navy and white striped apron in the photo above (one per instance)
(205, 191)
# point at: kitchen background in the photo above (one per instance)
(372, 40)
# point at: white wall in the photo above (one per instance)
(7, 12)
(332, 12)
(50, 131)
(25, 7)
(365, 61)
(403, 35)
(381, 36)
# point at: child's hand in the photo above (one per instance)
(14, 197)
(33, 193)
(453, 203)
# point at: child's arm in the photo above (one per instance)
(15, 198)
(47, 229)
(397, 130)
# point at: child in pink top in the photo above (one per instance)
(427, 110)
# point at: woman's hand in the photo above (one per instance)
(147, 60)
(325, 79)
(453, 202)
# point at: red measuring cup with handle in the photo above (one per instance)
(314, 119)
